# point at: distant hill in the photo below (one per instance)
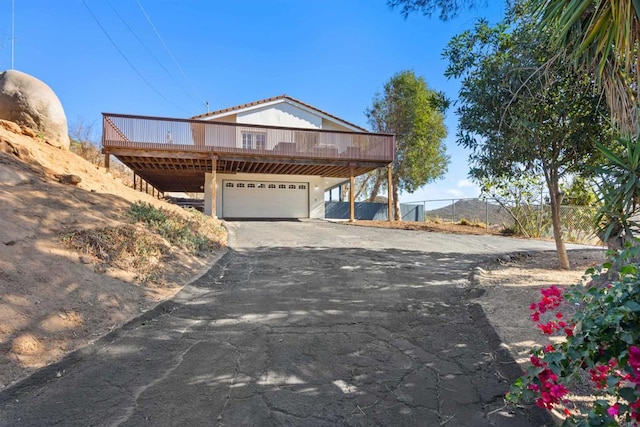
(474, 210)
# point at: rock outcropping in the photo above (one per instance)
(31, 103)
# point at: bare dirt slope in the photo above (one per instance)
(512, 283)
(52, 300)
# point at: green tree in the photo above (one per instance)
(521, 114)
(580, 192)
(415, 114)
(446, 9)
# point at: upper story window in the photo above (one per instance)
(251, 140)
(247, 140)
(261, 141)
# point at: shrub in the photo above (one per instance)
(509, 230)
(123, 247)
(601, 329)
(194, 231)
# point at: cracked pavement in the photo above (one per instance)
(301, 323)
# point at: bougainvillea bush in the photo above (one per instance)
(599, 322)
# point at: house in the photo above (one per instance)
(272, 158)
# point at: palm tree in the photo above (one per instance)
(602, 36)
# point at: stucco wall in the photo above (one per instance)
(329, 125)
(282, 114)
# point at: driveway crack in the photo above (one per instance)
(236, 369)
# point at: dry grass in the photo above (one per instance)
(143, 247)
(433, 226)
(127, 248)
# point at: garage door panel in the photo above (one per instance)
(265, 199)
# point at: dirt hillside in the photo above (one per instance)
(54, 300)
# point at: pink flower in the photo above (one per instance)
(613, 410)
(535, 361)
(558, 391)
(568, 332)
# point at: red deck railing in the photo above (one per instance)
(156, 133)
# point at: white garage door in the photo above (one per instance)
(265, 199)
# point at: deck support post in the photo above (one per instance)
(210, 189)
(352, 191)
(107, 160)
(390, 192)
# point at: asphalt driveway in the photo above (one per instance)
(301, 323)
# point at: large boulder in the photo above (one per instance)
(31, 103)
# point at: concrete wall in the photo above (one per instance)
(372, 211)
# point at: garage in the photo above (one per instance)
(265, 199)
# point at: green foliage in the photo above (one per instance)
(147, 213)
(620, 191)
(522, 114)
(191, 233)
(446, 9)
(581, 192)
(518, 116)
(602, 341)
(601, 37)
(522, 198)
(413, 112)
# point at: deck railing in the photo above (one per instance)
(156, 133)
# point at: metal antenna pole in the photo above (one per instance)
(13, 29)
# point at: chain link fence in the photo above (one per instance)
(576, 221)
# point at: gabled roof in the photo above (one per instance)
(276, 100)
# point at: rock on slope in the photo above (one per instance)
(30, 102)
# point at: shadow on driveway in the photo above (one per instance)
(292, 336)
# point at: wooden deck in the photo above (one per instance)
(174, 154)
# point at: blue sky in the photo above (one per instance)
(332, 54)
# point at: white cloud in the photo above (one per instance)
(455, 193)
(465, 183)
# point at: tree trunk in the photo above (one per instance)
(396, 200)
(376, 187)
(556, 201)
